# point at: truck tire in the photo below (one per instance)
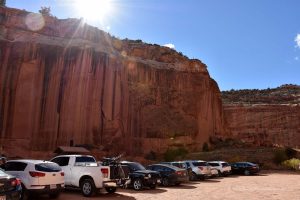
(110, 190)
(87, 187)
(137, 184)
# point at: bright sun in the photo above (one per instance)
(94, 9)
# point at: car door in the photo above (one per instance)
(17, 169)
(63, 162)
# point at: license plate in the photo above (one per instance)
(2, 197)
(52, 186)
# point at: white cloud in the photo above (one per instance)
(296, 58)
(172, 46)
(297, 40)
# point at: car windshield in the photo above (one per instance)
(2, 173)
(136, 166)
(197, 164)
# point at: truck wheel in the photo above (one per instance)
(87, 187)
(137, 184)
(110, 190)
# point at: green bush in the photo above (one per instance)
(292, 163)
(279, 156)
(172, 154)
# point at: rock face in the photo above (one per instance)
(63, 80)
(264, 117)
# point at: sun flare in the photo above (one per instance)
(94, 9)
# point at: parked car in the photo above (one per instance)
(170, 175)
(245, 168)
(37, 177)
(139, 176)
(223, 168)
(199, 169)
(82, 171)
(10, 187)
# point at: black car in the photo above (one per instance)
(170, 175)
(139, 176)
(245, 168)
(10, 187)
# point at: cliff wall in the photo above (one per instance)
(63, 80)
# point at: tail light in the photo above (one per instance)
(201, 168)
(104, 172)
(15, 182)
(62, 173)
(37, 174)
(178, 172)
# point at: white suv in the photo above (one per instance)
(37, 176)
(223, 167)
(198, 169)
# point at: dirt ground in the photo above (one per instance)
(268, 185)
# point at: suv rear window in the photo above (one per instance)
(225, 164)
(85, 159)
(214, 164)
(47, 167)
(197, 164)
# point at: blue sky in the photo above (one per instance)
(245, 43)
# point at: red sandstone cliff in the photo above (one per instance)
(264, 117)
(63, 80)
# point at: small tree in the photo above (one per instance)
(2, 2)
(45, 11)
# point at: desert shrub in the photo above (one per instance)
(205, 147)
(172, 154)
(279, 156)
(151, 156)
(292, 163)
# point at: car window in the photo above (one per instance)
(47, 167)
(61, 161)
(180, 165)
(85, 159)
(225, 164)
(136, 166)
(187, 164)
(15, 166)
(197, 164)
(167, 169)
(214, 164)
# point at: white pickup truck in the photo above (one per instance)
(84, 172)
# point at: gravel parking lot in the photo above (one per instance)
(267, 185)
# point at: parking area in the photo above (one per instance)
(267, 185)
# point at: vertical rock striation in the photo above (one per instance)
(63, 80)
